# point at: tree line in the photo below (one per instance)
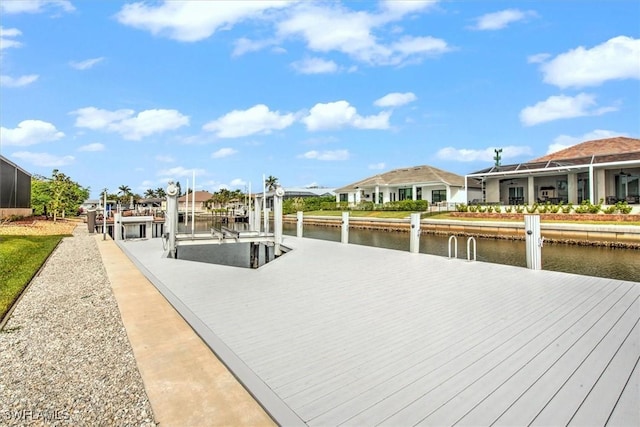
(59, 196)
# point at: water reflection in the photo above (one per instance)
(595, 261)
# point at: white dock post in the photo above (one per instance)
(171, 218)
(277, 220)
(257, 216)
(299, 222)
(414, 241)
(533, 241)
(116, 227)
(345, 227)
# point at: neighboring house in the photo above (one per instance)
(302, 192)
(15, 189)
(202, 199)
(413, 183)
(607, 169)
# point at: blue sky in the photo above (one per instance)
(315, 93)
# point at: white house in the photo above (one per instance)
(607, 169)
(412, 183)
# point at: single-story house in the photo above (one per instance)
(15, 189)
(412, 183)
(604, 169)
(202, 199)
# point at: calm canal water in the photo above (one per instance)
(595, 261)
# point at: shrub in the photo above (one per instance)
(623, 207)
(497, 209)
(462, 207)
(473, 208)
(508, 209)
(531, 209)
(567, 208)
(519, 209)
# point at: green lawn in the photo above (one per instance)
(20, 259)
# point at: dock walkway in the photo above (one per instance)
(335, 334)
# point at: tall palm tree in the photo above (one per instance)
(149, 194)
(271, 183)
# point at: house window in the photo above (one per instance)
(418, 193)
(405, 194)
(344, 197)
(516, 195)
(438, 196)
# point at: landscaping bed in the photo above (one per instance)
(549, 216)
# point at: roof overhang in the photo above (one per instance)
(547, 171)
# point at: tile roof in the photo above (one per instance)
(201, 196)
(407, 176)
(609, 150)
(599, 147)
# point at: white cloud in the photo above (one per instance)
(565, 141)
(501, 19)
(194, 20)
(395, 99)
(562, 107)
(30, 132)
(377, 166)
(238, 182)
(326, 155)
(483, 155)
(6, 35)
(339, 114)
(86, 64)
(352, 33)
(34, 6)
(538, 58)
(43, 159)
(164, 158)
(315, 66)
(615, 59)
(130, 127)
(96, 146)
(179, 172)
(244, 45)
(8, 81)
(400, 8)
(223, 152)
(255, 120)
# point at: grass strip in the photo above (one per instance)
(20, 259)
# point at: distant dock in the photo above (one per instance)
(333, 334)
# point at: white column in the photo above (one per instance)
(257, 214)
(277, 220)
(533, 241)
(116, 227)
(345, 227)
(532, 197)
(414, 241)
(299, 222)
(413, 193)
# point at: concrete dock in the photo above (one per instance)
(337, 334)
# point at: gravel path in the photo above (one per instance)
(65, 358)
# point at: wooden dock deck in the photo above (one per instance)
(333, 334)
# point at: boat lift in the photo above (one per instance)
(172, 240)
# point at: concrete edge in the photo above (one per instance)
(266, 398)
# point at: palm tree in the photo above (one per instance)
(160, 193)
(149, 194)
(124, 191)
(271, 183)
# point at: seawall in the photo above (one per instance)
(625, 236)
